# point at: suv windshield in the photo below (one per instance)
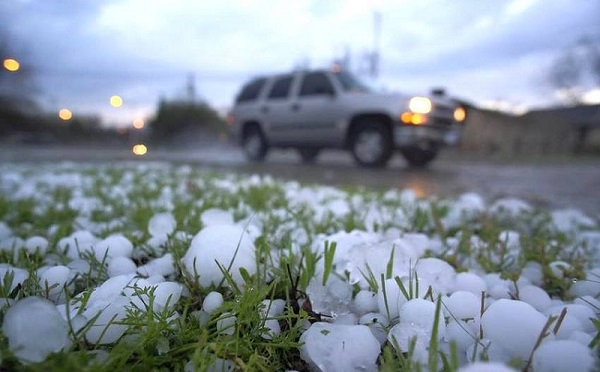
(351, 84)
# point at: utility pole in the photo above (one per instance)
(375, 53)
(191, 88)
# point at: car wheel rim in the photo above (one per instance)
(368, 146)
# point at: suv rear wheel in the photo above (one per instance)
(371, 144)
(254, 144)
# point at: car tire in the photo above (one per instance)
(371, 144)
(308, 154)
(255, 144)
(419, 157)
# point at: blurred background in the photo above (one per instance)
(163, 74)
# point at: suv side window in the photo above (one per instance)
(251, 91)
(281, 87)
(316, 83)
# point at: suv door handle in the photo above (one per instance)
(264, 109)
(295, 106)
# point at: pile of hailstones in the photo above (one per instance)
(352, 338)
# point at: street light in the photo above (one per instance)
(138, 124)
(116, 101)
(11, 65)
(65, 114)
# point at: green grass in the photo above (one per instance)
(122, 199)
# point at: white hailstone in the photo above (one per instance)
(581, 337)
(390, 298)
(163, 266)
(570, 324)
(331, 299)
(111, 288)
(216, 216)
(272, 328)
(36, 244)
(498, 288)
(35, 329)
(467, 207)
(486, 367)
(535, 296)
(377, 323)
(566, 220)
(422, 313)
(463, 305)
(113, 246)
(511, 239)
(166, 295)
(220, 365)
(19, 275)
(590, 286)
(583, 313)
(402, 335)
(589, 301)
(12, 243)
(534, 272)
(439, 274)
(563, 356)
(53, 280)
(79, 266)
(161, 225)
(230, 246)
(5, 231)
(460, 332)
(226, 323)
(121, 266)
(365, 301)
(418, 241)
(346, 319)
(104, 330)
(272, 308)
(487, 350)
(202, 316)
(509, 207)
(212, 302)
(558, 268)
(78, 243)
(332, 347)
(157, 243)
(470, 282)
(515, 325)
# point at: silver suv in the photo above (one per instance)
(315, 110)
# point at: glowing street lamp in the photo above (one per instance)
(116, 101)
(11, 65)
(65, 114)
(140, 150)
(138, 124)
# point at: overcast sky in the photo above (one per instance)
(85, 51)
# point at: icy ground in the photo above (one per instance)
(394, 257)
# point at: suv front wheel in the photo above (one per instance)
(371, 144)
(254, 144)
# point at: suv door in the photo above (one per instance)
(277, 109)
(315, 110)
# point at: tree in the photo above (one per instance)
(176, 117)
(576, 69)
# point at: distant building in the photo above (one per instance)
(557, 130)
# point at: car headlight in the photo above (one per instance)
(460, 114)
(420, 105)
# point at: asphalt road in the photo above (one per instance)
(564, 183)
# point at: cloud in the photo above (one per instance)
(142, 49)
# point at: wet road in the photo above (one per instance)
(550, 184)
